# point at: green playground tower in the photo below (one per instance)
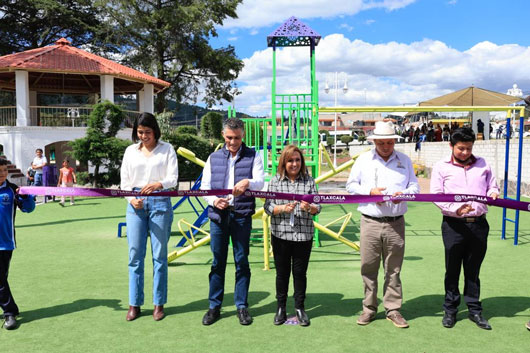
(294, 118)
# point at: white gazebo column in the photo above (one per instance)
(32, 103)
(22, 94)
(140, 99)
(107, 88)
(147, 99)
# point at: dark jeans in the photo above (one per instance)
(237, 228)
(287, 255)
(7, 302)
(465, 246)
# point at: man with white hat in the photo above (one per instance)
(382, 171)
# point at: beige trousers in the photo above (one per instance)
(67, 185)
(382, 241)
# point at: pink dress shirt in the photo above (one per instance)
(474, 179)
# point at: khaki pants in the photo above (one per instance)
(386, 241)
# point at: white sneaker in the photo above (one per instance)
(71, 203)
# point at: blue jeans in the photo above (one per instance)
(38, 180)
(154, 220)
(238, 228)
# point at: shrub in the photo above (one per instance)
(198, 145)
(186, 129)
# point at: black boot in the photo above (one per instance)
(281, 316)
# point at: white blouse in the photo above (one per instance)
(138, 170)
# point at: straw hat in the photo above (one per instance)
(383, 130)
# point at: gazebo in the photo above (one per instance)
(64, 69)
(39, 76)
(472, 96)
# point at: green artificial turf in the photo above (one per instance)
(69, 278)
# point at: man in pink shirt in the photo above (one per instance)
(464, 227)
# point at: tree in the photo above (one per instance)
(100, 146)
(361, 138)
(164, 122)
(330, 141)
(346, 139)
(169, 39)
(212, 125)
(30, 24)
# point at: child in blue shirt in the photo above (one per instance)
(9, 201)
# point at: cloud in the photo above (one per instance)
(369, 22)
(231, 39)
(258, 13)
(346, 27)
(452, 2)
(391, 73)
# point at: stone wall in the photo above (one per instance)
(494, 151)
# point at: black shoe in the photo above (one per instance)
(244, 316)
(302, 317)
(211, 316)
(449, 320)
(480, 321)
(10, 322)
(281, 316)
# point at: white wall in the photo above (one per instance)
(20, 143)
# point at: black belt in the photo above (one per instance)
(467, 219)
(383, 219)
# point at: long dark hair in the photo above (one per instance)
(147, 120)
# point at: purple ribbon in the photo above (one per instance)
(316, 198)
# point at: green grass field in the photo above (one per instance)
(69, 278)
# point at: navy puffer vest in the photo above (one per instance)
(219, 162)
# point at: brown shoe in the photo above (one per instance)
(528, 325)
(397, 319)
(133, 313)
(158, 313)
(365, 318)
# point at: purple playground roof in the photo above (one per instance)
(293, 33)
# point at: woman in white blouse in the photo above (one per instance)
(148, 165)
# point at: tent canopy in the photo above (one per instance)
(472, 96)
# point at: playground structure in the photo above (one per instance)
(190, 230)
(294, 120)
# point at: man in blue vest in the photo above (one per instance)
(239, 168)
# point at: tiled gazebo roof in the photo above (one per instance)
(62, 58)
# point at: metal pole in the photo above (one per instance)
(335, 144)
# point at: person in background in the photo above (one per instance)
(30, 176)
(446, 133)
(149, 165)
(480, 128)
(292, 231)
(382, 171)
(464, 226)
(67, 178)
(438, 133)
(38, 163)
(10, 200)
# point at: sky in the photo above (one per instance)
(388, 52)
